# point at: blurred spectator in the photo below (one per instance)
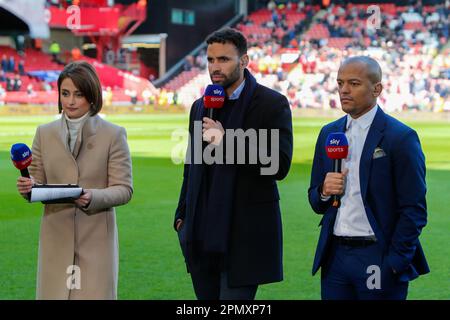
(9, 84)
(175, 98)
(108, 96)
(2, 95)
(146, 94)
(20, 44)
(37, 44)
(54, 50)
(122, 58)
(275, 18)
(30, 91)
(11, 64)
(5, 65)
(17, 83)
(188, 63)
(201, 60)
(133, 97)
(162, 98)
(169, 98)
(76, 53)
(2, 76)
(46, 86)
(21, 67)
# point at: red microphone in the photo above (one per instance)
(337, 149)
(214, 98)
(21, 157)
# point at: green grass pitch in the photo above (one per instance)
(151, 265)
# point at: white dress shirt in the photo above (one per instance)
(351, 220)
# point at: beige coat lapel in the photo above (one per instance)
(87, 131)
(64, 133)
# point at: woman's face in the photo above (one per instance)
(73, 102)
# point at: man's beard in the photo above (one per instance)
(228, 80)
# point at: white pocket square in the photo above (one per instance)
(378, 153)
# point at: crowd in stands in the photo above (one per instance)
(409, 43)
(14, 75)
(296, 48)
(282, 22)
(10, 75)
(413, 59)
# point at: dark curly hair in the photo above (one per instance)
(229, 35)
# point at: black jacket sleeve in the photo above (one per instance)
(318, 174)
(180, 211)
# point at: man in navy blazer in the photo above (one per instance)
(369, 247)
(228, 217)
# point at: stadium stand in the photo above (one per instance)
(411, 43)
(295, 48)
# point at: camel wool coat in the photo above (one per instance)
(82, 237)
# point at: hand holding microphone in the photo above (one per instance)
(214, 98)
(21, 158)
(24, 185)
(334, 183)
(213, 131)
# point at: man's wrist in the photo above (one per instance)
(322, 196)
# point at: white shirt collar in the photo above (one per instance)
(365, 120)
(236, 93)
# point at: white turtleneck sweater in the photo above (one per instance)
(74, 128)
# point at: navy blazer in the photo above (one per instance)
(393, 192)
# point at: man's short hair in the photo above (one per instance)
(229, 35)
(373, 69)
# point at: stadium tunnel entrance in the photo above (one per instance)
(10, 24)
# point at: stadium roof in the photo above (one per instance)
(30, 12)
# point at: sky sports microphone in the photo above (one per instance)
(337, 149)
(214, 98)
(21, 158)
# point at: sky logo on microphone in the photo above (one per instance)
(336, 146)
(334, 142)
(214, 97)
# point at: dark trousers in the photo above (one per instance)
(359, 273)
(212, 284)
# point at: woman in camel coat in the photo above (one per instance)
(78, 245)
